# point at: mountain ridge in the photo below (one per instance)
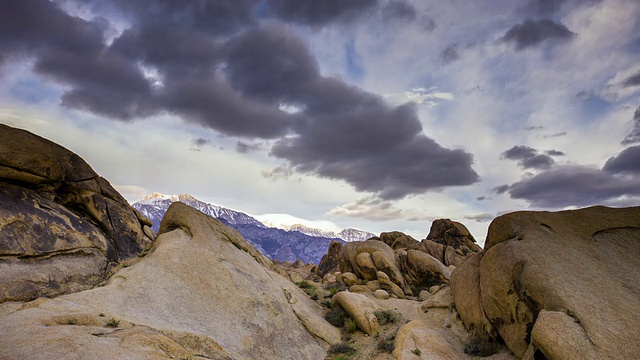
(284, 244)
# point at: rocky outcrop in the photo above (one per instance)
(201, 292)
(62, 227)
(330, 262)
(450, 242)
(360, 308)
(562, 285)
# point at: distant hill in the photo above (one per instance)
(295, 242)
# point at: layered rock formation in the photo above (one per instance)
(201, 291)
(402, 265)
(62, 227)
(562, 285)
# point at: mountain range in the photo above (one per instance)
(287, 243)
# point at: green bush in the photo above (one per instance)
(350, 325)
(342, 348)
(304, 284)
(416, 351)
(72, 321)
(335, 317)
(387, 316)
(113, 323)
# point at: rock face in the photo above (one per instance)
(563, 285)
(201, 291)
(62, 227)
(329, 262)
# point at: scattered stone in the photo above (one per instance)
(349, 279)
(373, 285)
(423, 295)
(381, 294)
(441, 299)
(359, 289)
(360, 308)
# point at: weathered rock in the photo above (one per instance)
(423, 295)
(381, 294)
(389, 266)
(330, 262)
(349, 279)
(441, 299)
(465, 285)
(201, 291)
(432, 343)
(452, 233)
(422, 270)
(373, 285)
(584, 262)
(359, 289)
(62, 227)
(559, 336)
(365, 266)
(397, 239)
(360, 308)
(390, 286)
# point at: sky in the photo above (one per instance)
(374, 114)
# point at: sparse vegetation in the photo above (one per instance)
(327, 304)
(101, 315)
(308, 288)
(342, 348)
(72, 321)
(416, 351)
(386, 344)
(387, 316)
(335, 317)
(478, 347)
(350, 325)
(112, 323)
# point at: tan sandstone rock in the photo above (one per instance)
(202, 290)
(360, 308)
(583, 262)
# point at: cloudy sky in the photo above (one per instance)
(375, 114)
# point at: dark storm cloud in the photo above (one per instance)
(633, 80)
(528, 157)
(500, 189)
(319, 13)
(450, 54)
(634, 135)
(399, 10)
(544, 7)
(271, 63)
(373, 147)
(200, 142)
(533, 32)
(627, 162)
(244, 148)
(554, 153)
(573, 186)
(71, 51)
(519, 152)
(212, 63)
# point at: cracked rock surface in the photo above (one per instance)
(201, 292)
(62, 226)
(563, 285)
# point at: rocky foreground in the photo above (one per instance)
(82, 276)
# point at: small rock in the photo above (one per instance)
(424, 295)
(381, 294)
(359, 288)
(373, 285)
(441, 299)
(434, 289)
(349, 278)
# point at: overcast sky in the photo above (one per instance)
(380, 115)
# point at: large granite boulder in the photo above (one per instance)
(62, 227)
(330, 261)
(450, 242)
(201, 292)
(560, 285)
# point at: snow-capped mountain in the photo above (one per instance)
(347, 235)
(282, 244)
